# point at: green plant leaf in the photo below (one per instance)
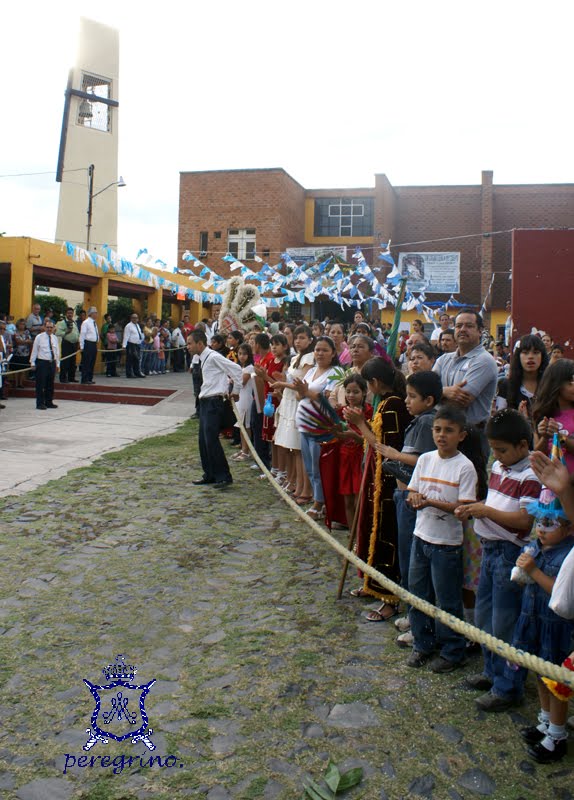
(332, 776)
(317, 792)
(350, 778)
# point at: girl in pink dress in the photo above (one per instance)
(554, 409)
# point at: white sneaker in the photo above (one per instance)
(405, 639)
(254, 466)
(402, 624)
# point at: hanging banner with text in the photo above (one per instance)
(431, 272)
(307, 255)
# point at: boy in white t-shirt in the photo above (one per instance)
(443, 480)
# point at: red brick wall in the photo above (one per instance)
(528, 206)
(268, 200)
(439, 212)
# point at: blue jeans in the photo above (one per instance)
(436, 572)
(310, 452)
(498, 603)
(406, 519)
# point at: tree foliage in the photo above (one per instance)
(47, 301)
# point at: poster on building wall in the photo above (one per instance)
(307, 255)
(431, 272)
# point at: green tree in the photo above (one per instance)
(57, 304)
(120, 309)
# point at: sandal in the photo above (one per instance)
(316, 513)
(242, 457)
(360, 592)
(380, 616)
(302, 500)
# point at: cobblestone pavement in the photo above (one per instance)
(262, 676)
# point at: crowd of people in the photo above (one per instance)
(43, 349)
(434, 459)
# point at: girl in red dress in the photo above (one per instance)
(341, 461)
(273, 371)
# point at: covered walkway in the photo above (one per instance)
(26, 263)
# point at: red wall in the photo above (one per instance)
(543, 283)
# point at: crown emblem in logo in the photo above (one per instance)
(119, 670)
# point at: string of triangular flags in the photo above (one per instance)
(331, 277)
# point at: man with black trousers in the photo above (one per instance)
(89, 338)
(133, 337)
(217, 373)
(45, 358)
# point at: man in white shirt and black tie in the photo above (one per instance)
(45, 358)
(133, 337)
(89, 338)
(218, 372)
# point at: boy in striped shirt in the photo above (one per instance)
(503, 524)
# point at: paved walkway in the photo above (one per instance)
(39, 446)
(261, 676)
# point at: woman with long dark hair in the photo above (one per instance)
(377, 522)
(318, 379)
(528, 364)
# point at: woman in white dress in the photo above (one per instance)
(246, 395)
(286, 433)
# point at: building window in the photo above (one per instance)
(93, 114)
(217, 235)
(203, 239)
(343, 216)
(266, 252)
(241, 243)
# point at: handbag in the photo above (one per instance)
(402, 472)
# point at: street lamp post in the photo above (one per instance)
(91, 196)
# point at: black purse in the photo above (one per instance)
(402, 472)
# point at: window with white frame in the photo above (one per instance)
(343, 216)
(241, 243)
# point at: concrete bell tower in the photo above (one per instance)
(88, 157)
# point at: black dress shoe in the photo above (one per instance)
(41, 408)
(74, 380)
(544, 756)
(63, 381)
(222, 484)
(202, 482)
(532, 735)
(51, 405)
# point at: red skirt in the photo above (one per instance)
(350, 468)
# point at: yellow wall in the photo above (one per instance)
(498, 316)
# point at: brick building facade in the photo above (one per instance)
(266, 210)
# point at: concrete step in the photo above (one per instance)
(99, 394)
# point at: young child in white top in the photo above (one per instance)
(443, 480)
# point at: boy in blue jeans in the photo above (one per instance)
(424, 391)
(503, 524)
(443, 480)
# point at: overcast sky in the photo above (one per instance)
(333, 92)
